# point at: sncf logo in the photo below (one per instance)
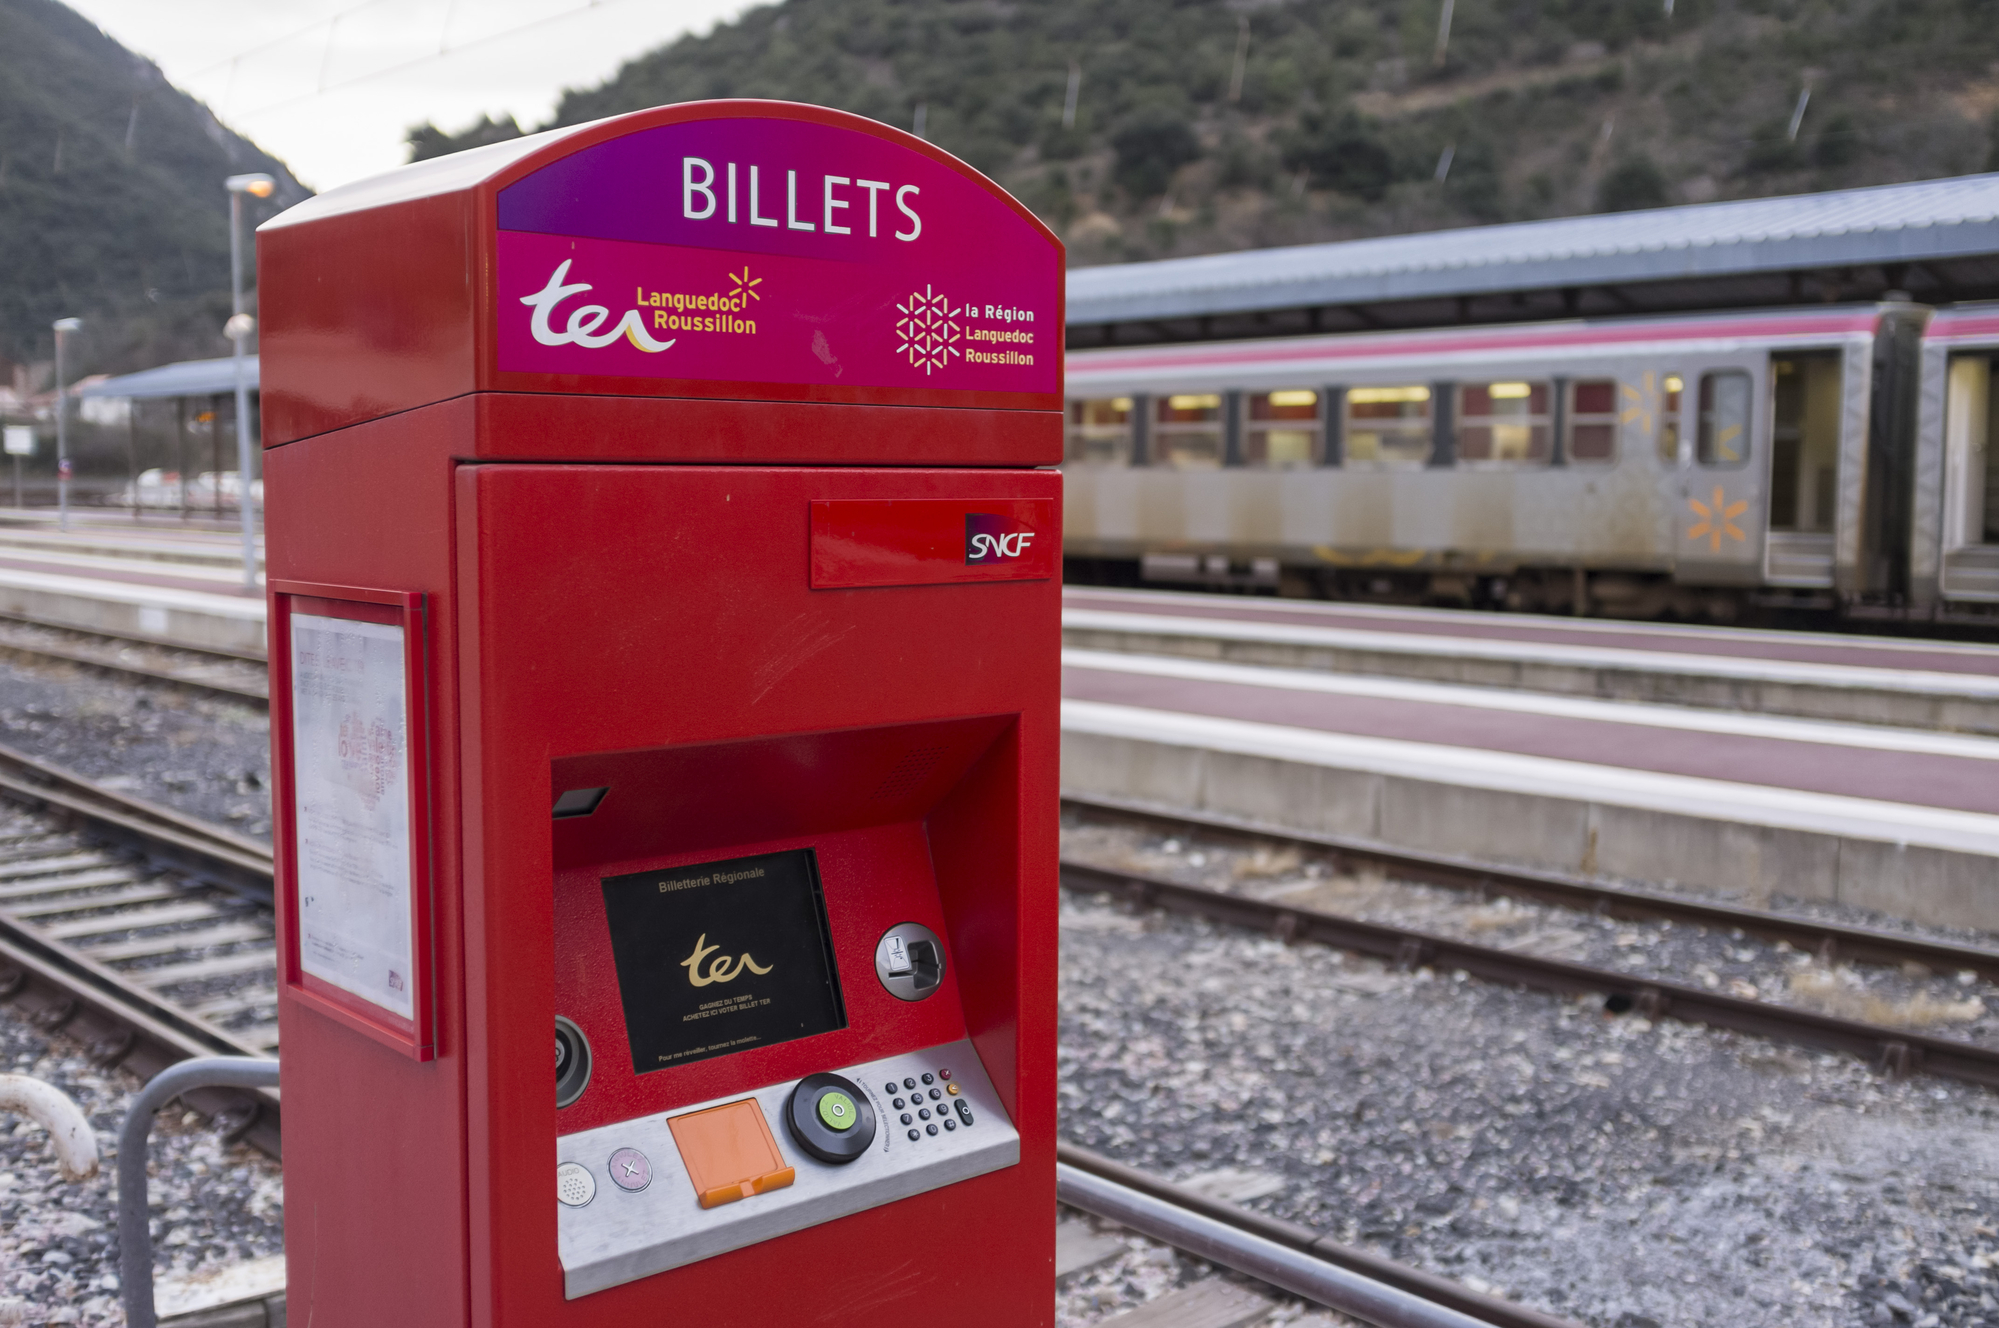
(991, 538)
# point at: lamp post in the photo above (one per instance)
(238, 328)
(63, 326)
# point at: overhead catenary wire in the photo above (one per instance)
(443, 52)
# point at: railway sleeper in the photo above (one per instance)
(179, 942)
(152, 892)
(45, 866)
(181, 908)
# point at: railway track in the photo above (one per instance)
(1895, 1051)
(143, 933)
(221, 673)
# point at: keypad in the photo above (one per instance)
(928, 1118)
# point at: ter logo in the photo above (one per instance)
(720, 969)
(991, 538)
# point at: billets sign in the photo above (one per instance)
(774, 250)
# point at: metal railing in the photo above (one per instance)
(135, 1231)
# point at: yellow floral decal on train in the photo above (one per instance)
(1641, 403)
(1717, 520)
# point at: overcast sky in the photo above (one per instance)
(331, 86)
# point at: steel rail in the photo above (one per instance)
(1169, 1226)
(1828, 940)
(1895, 1051)
(1280, 1266)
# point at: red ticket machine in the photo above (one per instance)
(664, 574)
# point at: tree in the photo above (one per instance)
(1341, 153)
(427, 140)
(1150, 147)
(1634, 183)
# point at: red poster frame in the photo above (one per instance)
(415, 1037)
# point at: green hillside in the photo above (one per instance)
(1207, 126)
(111, 200)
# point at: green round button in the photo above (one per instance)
(837, 1110)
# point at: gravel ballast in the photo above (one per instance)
(1611, 1170)
(204, 756)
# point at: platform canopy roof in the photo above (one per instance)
(189, 378)
(1938, 239)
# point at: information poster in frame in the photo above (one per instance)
(348, 713)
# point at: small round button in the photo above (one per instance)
(907, 1118)
(950, 1125)
(837, 1110)
(574, 1185)
(630, 1170)
(952, 1090)
(914, 1136)
(897, 1104)
(909, 1083)
(923, 1114)
(929, 1079)
(934, 1095)
(931, 1129)
(891, 1088)
(945, 1075)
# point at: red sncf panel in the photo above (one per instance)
(876, 542)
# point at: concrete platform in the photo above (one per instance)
(1856, 679)
(177, 587)
(1746, 807)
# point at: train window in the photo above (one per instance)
(1722, 438)
(1592, 420)
(1804, 441)
(1099, 432)
(1283, 429)
(1669, 417)
(1971, 476)
(1388, 426)
(1503, 422)
(1189, 431)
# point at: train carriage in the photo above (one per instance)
(1663, 465)
(1711, 411)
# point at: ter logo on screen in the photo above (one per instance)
(991, 538)
(715, 958)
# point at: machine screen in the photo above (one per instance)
(719, 957)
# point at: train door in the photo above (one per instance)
(1719, 527)
(1805, 412)
(1971, 481)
